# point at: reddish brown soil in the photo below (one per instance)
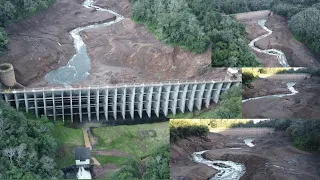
(33, 46)
(273, 157)
(127, 52)
(269, 88)
(122, 7)
(121, 53)
(305, 104)
(298, 55)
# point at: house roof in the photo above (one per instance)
(82, 153)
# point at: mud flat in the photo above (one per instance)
(297, 54)
(271, 99)
(271, 157)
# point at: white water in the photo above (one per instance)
(248, 142)
(228, 170)
(274, 52)
(290, 87)
(83, 174)
(78, 66)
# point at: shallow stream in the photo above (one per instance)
(290, 86)
(274, 52)
(78, 67)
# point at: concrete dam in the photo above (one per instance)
(118, 101)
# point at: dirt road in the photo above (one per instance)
(297, 54)
(304, 104)
(272, 157)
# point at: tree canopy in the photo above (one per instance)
(27, 148)
(195, 26)
(305, 25)
(155, 167)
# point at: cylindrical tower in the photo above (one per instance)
(7, 76)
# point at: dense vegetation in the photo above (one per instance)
(250, 74)
(229, 106)
(312, 71)
(27, 148)
(304, 20)
(196, 26)
(11, 10)
(186, 128)
(155, 167)
(305, 26)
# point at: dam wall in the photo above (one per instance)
(118, 101)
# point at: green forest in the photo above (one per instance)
(11, 10)
(27, 148)
(197, 25)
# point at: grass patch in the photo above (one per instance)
(118, 160)
(68, 138)
(125, 138)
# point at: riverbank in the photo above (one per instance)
(275, 97)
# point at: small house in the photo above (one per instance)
(82, 156)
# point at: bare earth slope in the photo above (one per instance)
(42, 43)
(127, 52)
(122, 7)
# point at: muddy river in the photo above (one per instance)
(78, 67)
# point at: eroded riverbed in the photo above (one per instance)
(78, 67)
(274, 52)
(290, 86)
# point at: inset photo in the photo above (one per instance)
(259, 149)
(281, 93)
